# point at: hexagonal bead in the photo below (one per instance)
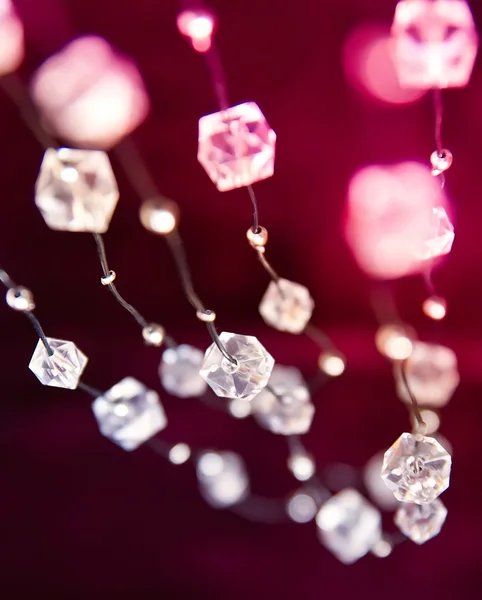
(287, 306)
(435, 43)
(236, 146)
(440, 235)
(416, 468)
(348, 525)
(76, 190)
(129, 414)
(244, 379)
(289, 411)
(63, 369)
(421, 522)
(431, 373)
(222, 477)
(179, 371)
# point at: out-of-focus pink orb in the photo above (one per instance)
(435, 308)
(435, 43)
(393, 223)
(11, 39)
(369, 66)
(198, 26)
(90, 94)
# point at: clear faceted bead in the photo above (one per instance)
(179, 371)
(76, 190)
(287, 306)
(129, 413)
(244, 379)
(63, 369)
(421, 522)
(222, 478)
(435, 43)
(440, 236)
(236, 146)
(431, 373)
(416, 468)
(348, 525)
(289, 410)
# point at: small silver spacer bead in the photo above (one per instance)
(153, 334)
(20, 298)
(208, 316)
(108, 279)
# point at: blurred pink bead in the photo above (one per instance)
(435, 43)
(11, 39)
(198, 26)
(395, 219)
(89, 94)
(236, 146)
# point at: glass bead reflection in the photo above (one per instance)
(287, 306)
(421, 523)
(222, 478)
(179, 371)
(63, 368)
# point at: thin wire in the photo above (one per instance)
(5, 279)
(136, 170)
(213, 61)
(272, 273)
(95, 393)
(215, 337)
(319, 337)
(105, 268)
(39, 331)
(415, 407)
(438, 109)
(254, 202)
(383, 305)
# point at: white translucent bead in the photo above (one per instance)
(301, 507)
(382, 548)
(302, 466)
(421, 523)
(240, 408)
(432, 375)
(76, 190)
(63, 369)
(179, 454)
(11, 38)
(348, 525)
(20, 298)
(244, 379)
(416, 468)
(179, 371)
(159, 216)
(379, 492)
(153, 334)
(129, 413)
(331, 364)
(222, 478)
(394, 341)
(287, 306)
(289, 411)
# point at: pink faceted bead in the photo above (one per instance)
(11, 38)
(441, 237)
(236, 146)
(89, 94)
(435, 43)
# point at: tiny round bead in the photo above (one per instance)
(208, 316)
(20, 298)
(159, 216)
(258, 238)
(395, 341)
(382, 548)
(108, 279)
(441, 161)
(153, 334)
(331, 363)
(435, 308)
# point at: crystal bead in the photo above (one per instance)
(301, 507)
(421, 522)
(222, 478)
(416, 468)
(289, 410)
(302, 466)
(20, 298)
(76, 190)
(63, 369)
(348, 525)
(244, 379)
(287, 306)
(441, 237)
(375, 486)
(431, 373)
(179, 371)
(435, 43)
(129, 413)
(236, 146)
(179, 454)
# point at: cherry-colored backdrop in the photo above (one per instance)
(80, 518)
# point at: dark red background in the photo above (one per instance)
(80, 518)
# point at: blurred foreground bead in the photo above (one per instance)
(129, 414)
(376, 488)
(301, 507)
(198, 26)
(331, 364)
(90, 94)
(153, 334)
(382, 548)
(179, 454)
(159, 216)
(240, 408)
(287, 306)
(302, 466)
(222, 478)
(440, 237)
(416, 468)
(20, 298)
(259, 238)
(11, 38)
(236, 146)
(435, 43)
(244, 379)
(76, 190)
(435, 308)
(179, 371)
(421, 523)
(441, 161)
(63, 369)
(289, 410)
(431, 373)
(394, 341)
(348, 525)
